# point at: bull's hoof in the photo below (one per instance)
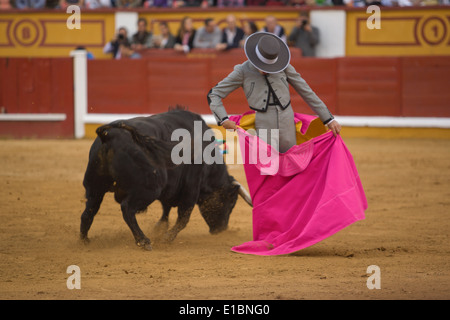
(169, 236)
(147, 247)
(145, 244)
(160, 228)
(218, 230)
(84, 239)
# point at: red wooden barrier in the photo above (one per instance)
(37, 86)
(425, 86)
(321, 76)
(369, 86)
(397, 86)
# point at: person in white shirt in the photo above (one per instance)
(208, 36)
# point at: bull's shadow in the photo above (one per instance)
(133, 159)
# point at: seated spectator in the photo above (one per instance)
(272, 26)
(32, 4)
(230, 3)
(112, 47)
(231, 34)
(358, 3)
(189, 3)
(156, 3)
(89, 54)
(298, 3)
(304, 36)
(256, 3)
(273, 3)
(208, 36)
(4, 4)
(373, 2)
(184, 40)
(406, 3)
(165, 39)
(249, 28)
(128, 3)
(126, 52)
(65, 3)
(142, 38)
(95, 4)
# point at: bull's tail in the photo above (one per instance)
(158, 151)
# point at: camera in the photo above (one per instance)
(304, 23)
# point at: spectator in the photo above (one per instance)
(231, 34)
(208, 36)
(373, 2)
(359, 3)
(256, 2)
(5, 4)
(249, 28)
(142, 38)
(126, 52)
(32, 4)
(189, 3)
(128, 3)
(272, 26)
(298, 3)
(304, 35)
(156, 3)
(230, 3)
(65, 3)
(95, 4)
(273, 3)
(184, 41)
(165, 40)
(89, 54)
(121, 37)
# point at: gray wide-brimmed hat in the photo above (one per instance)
(267, 52)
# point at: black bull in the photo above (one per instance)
(132, 158)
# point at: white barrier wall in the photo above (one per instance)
(127, 20)
(332, 28)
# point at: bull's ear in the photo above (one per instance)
(102, 132)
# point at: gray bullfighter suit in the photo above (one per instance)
(269, 96)
(265, 78)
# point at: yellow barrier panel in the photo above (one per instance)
(402, 33)
(45, 34)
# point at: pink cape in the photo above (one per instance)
(303, 196)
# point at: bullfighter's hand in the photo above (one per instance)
(335, 127)
(229, 125)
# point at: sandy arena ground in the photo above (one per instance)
(405, 233)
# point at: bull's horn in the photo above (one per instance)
(243, 193)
